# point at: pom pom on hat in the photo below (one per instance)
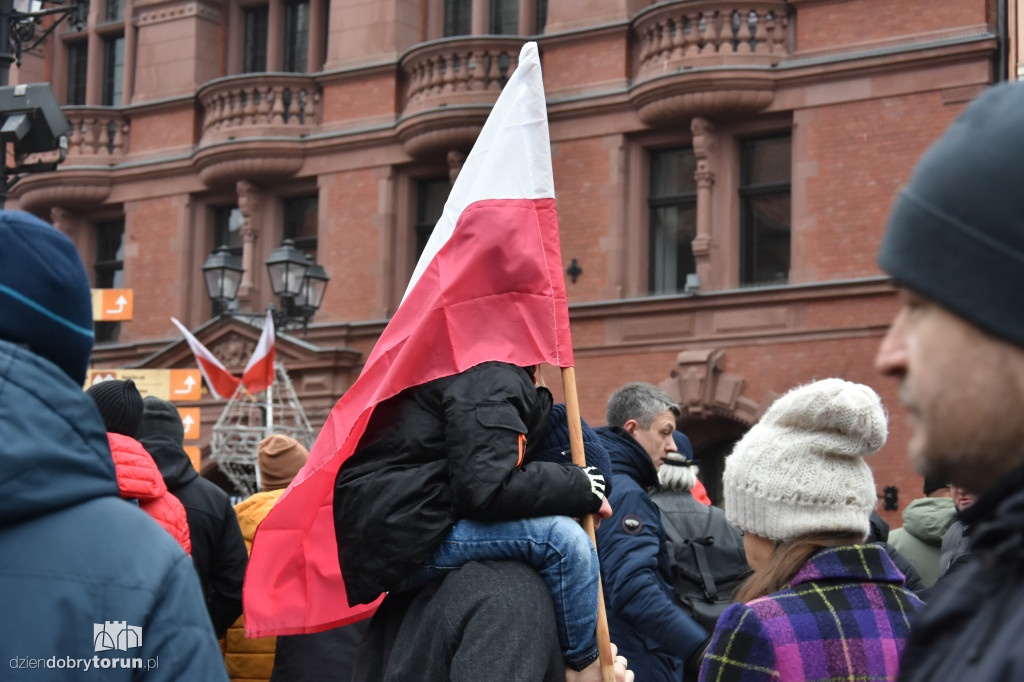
(800, 469)
(120, 404)
(44, 293)
(280, 458)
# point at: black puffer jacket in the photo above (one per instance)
(449, 449)
(971, 630)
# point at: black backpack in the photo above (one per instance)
(708, 563)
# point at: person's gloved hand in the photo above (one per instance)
(597, 485)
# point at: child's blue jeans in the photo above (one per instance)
(560, 550)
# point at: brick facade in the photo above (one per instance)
(860, 86)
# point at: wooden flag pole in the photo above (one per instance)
(572, 413)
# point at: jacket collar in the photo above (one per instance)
(867, 563)
(628, 456)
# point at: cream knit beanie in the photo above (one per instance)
(800, 469)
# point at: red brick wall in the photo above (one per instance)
(834, 24)
(349, 246)
(570, 65)
(581, 169)
(865, 152)
(162, 130)
(358, 98)
(154, 272)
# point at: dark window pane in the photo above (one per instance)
(227, 228)
(505, 17)
(109, 271)
(300, 223)
(113, 71)
(673, 219)
(296, 37)
(430, 198)
(542, 16)
(765, 200)
(457, 17)
(77, 69)
(254, 54)
(115, 10)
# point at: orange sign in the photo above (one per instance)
(185, 384)
(190, 420)
(193, 454)
(176, 385)
(109, 305)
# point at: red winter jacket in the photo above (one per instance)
(140, 479)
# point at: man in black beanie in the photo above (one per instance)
(955, 246)
(218, 550)
(80, 568)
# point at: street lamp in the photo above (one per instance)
(223, 274)
(294, 277)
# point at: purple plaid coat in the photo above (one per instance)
(844, 616)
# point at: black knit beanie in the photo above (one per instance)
(160, 418)
(931, 484)
(45, 301)
(956, 232)
(555, 446)
(120, 405)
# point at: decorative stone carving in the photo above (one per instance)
(704, 390)
(234, 352)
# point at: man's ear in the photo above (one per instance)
(630, 426)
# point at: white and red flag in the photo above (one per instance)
(259, 373)
(221, 382)
(489, 286)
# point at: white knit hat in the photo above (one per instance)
(800, 469)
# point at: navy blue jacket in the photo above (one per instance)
(74, 556)
(644, 620)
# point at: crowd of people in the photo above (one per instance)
(461, 500)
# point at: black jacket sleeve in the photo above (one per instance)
(227, 572)
(486, 412)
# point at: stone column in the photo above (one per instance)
(250, 206)
(455, 160)
(703, 143)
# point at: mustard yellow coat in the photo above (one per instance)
(250, 660)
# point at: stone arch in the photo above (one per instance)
(716, 414)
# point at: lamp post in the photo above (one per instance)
(296, 280)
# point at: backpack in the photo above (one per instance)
(708, 563)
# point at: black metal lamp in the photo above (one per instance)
(313, 288)
(223, 274)
(287, 268)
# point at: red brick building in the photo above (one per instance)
(723, 172)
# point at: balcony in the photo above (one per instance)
(98, 136)
(251, 126)
(707, 58)
(450, 86)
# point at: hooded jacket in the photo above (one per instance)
(77, 561)
(646, 623)
(139, 479)
(971, 628)
(456, 447)
(218, 551)
(925, 521)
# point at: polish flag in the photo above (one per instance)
(259, 373)
(222, 383)
(489, 286)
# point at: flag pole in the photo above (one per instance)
(572, 413)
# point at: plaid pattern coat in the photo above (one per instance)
(844, 617)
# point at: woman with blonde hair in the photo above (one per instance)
(821, 604)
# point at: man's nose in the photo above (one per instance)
(891, 357)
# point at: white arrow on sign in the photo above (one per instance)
(187, 421)
(121, 303)
(189, 383)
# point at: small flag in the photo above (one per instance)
(222, 383)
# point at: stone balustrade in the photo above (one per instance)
(257, 105)
(96, 132)
(697, 33)
(453, 71)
